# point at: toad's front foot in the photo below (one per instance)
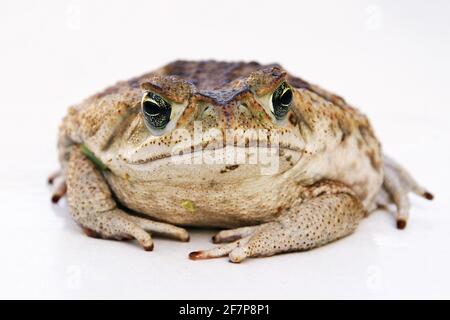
(92, 206)
(118, 225)
(304, 226)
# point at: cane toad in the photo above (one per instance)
(281, 164)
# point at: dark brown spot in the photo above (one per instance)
(56, 198)
(91, 233)
(279, 211)
(59, 193)
(428, 195)
(195, 255)
(401, 224)
(292, 119)
(148, 248)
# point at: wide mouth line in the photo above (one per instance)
(199, 148)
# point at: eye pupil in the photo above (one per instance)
(151, 108)
(156, 111)
(286, 97)
(281, 101)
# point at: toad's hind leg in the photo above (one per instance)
(92, 206)
(397, 184)
(304, 226)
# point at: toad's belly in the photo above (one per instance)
(207, 204)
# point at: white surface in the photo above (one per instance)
(390, 58)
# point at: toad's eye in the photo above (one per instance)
(156, 111)
(281, 100)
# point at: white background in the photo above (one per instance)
(389, 58)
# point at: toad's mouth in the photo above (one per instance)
(227, 153)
